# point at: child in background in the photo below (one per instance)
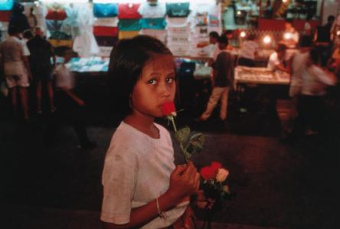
(69, 106)
(142, 186)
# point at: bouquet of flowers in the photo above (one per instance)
(213, 178)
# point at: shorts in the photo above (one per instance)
(17, 81)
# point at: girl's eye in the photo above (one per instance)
(170, 79)
(152, 81)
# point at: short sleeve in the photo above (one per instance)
(25, 50)
(273, 61)
(119, 178)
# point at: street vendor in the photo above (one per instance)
(290, 35)
(279, 60)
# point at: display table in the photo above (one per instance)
(88, 65)
(248, 75)
(254, 84)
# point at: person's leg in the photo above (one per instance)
(51, 95)
(38, 93)
(214, 97)
(14, 98)
(24, 101)
(224, 103)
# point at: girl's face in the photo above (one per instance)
(155, 87)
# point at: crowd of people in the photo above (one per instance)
(29, 61)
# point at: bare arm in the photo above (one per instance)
(27, 65)
(184, 181)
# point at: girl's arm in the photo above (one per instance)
(184, 181)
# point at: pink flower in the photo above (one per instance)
(169, 109)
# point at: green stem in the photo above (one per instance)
(180, 143)
(173, 123)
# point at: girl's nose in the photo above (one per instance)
(164, 90)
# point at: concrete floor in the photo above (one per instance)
(276, 185)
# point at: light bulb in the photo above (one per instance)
(243, 34)
(267, 39)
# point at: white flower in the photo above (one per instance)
(222, 174)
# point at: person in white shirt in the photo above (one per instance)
(290, 35)
(213, 37)
(249, 50)
(278, 60)
(142, 187)
(314, 88)
(14, 63)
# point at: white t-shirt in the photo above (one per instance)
(299, 69)
(148, 10)
(248, 49)
(63, 77)
(316, 81)
(136, 171)
(274, 60)
(12, 51)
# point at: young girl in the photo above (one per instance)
(142, 186)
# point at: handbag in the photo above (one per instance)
(105, 9)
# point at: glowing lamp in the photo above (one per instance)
(338, 33)
(287, 36)
(284, 1)
(239, 12)
(243, 34)
(267, 39)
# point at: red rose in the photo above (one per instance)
(210, 172)
(168, 108)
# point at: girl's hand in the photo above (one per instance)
(184, 181)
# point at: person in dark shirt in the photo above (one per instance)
(18, 18)
(222, 81)
(42, 61)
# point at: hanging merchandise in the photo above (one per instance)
(129, 25)
(153, 23)
(127, 34)
(6, 5)
(152, 10)
(70, 24)
(177, 9)
(105, 9)
(55, 11)
(105, 31)
(128, 11)
(85, 44)
(109, 22)
(159, 34)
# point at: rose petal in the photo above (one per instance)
(168, 108)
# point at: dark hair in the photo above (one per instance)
(223, 40)
(27, 34)
(281, 47)
(127, 61)
(330, 19)
(305, 41)
(13, 30)
(214, 34)
(314, 55)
